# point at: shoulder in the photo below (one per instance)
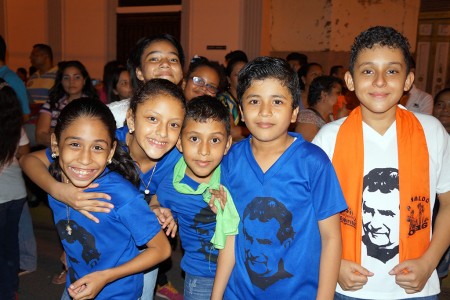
(119, 110)
(326, 137)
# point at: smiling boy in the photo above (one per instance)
(378, 136)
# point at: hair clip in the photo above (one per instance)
(54, 155)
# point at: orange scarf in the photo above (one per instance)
(414, 184)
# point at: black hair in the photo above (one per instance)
(383, 180)
(201, 61)
(108, 73)
(301, 58)
(57, 91)
(440, 93)
(11, 120)
(321, 84)
(156, 87)
(134, 60)
(2, 49)
(94, 108)
(46, 49)
(335, 69)
(203, 108)
(383, 36)
(269, 67)
(22, 71)
(239, 54)
(113, 80)
(266, 208)
(232, 62)
(303, 72)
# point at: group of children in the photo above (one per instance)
(263, 218)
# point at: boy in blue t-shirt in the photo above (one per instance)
(205, 138)
(287, 196)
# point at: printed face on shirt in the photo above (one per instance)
(203, 145)
(206, 83)
(83, 149)
(379, 80)
(441, 110)
(156, 126)
(267, 110)
(160, 60)
(380, 218)
(73, 82)
(123, 87)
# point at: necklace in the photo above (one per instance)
(147, 187)
(68, 228)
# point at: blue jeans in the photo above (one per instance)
(197, 287)
(27, 241)
(338, 296)
(9, 247)
(149, 284)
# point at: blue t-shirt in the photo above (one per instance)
(278, 246)
(112, 242)
(196, 226)
(163, 167)
(18, 86)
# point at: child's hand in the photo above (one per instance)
(412, 275)
(83, 201)
(352, 276)
(220, 195)
(166, 220)
(88, 286)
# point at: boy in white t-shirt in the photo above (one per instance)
(390, 164)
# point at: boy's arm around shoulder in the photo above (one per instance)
(87, 287)
(36, 164)
(412, 275)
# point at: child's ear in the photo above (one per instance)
(409, 81)
(139, 74)
(111, 153)
(294, 114)
(178, 145)
(54, 144)
(183, 84)
(349, 81)
(115, 92)
(229, 143)
(130, 120)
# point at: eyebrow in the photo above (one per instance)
(259, 96)
(158, 52)
(196, 132)
(80, 139)
(372, 63)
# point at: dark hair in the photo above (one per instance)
(111, 85)
(335, 69)
(156, 87)
(383, 180)
(266, 208)
(95, 109)
(203, 108)
(57, 91)
(2, 49)
(232, 62)
(383, 36)
(268, 67)
(301, 58)
(439, 94)
(134, 60)
(201, 61)
(22, 71)
(303, 72)
(46, 49)
(108, 73)
(321, 84)
(236, 54)
(11, 120)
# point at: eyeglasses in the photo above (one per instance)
(198, 81)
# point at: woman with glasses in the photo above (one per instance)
(203, 78)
